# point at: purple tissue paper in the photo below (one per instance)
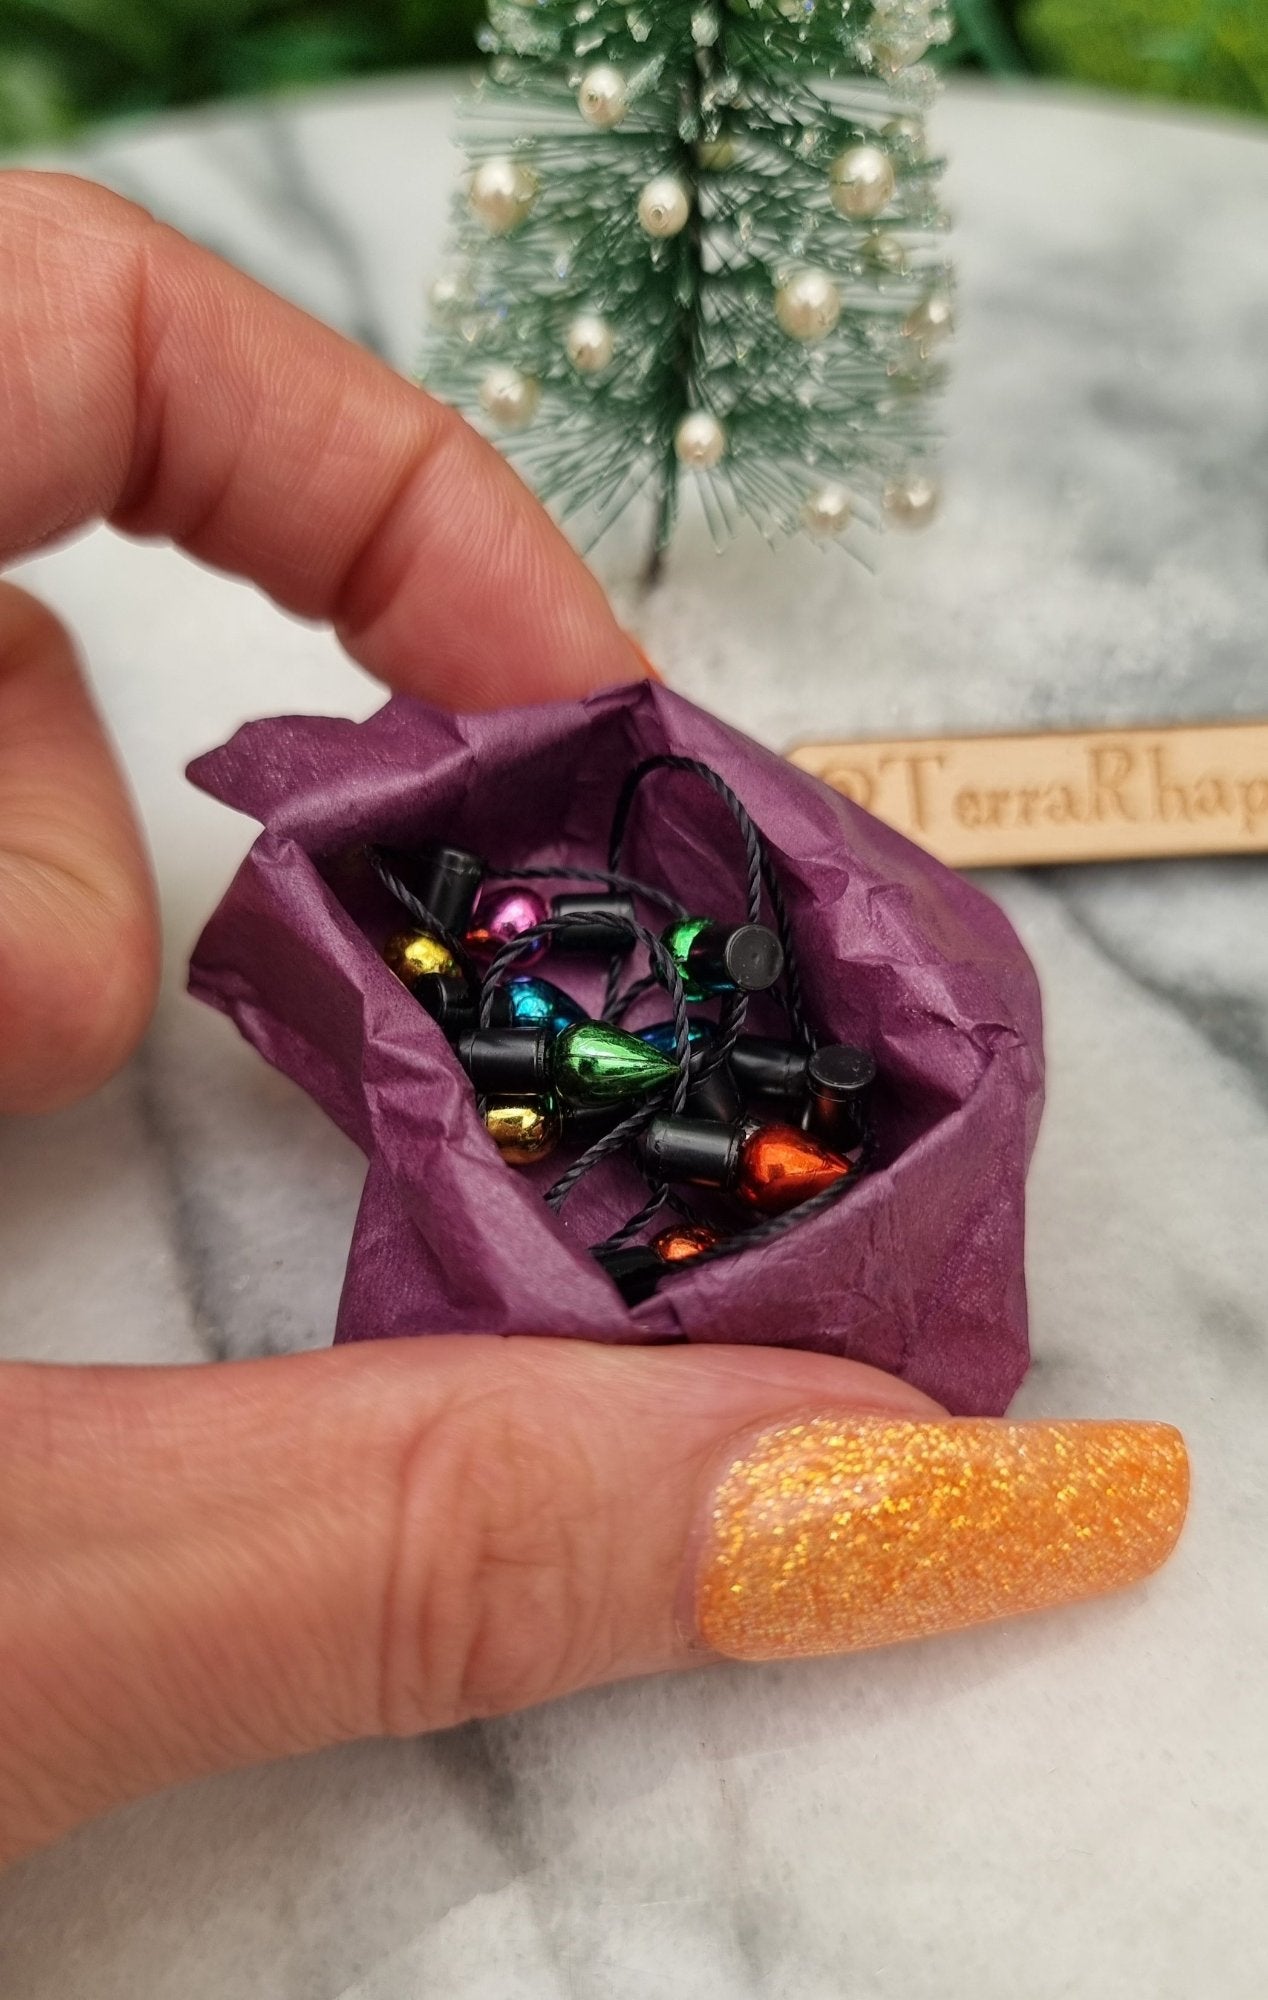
(918, 1270)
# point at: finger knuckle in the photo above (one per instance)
(500, 1596)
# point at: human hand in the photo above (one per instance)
(206, 1567)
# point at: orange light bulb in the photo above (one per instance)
(780, 1167)
(684, 1241)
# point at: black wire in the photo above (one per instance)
(666, 761)
(760, 874)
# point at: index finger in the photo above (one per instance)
(144, 381)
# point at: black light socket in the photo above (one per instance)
(596, 938)
(507, 1062)
(448, 1000)
(715, 1097)
(446, 881)
(747, 957)
(839, 1078)
(765, 1067)
(695, 1150)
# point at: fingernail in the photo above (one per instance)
(837, 1534)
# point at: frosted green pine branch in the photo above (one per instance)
(703, 241)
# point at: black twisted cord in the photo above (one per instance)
(761, 874)
(794, 998)
(667, 762)
(613, 1004)
(647, 984)
(416, 908)
(603, 1149)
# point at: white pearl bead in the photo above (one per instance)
(911, 502)
(931, 321)
(664, 206)
(898, 47)
(509, 398)
(808, 305)
(885, 250)
(861, 182)
(827, 512)
(907, 134)
(502, 193)
(590, 343)
(603, 99)
(699, 440)
(447, 295)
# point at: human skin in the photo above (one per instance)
(207, 1567)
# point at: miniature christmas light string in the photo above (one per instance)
(650, 1126)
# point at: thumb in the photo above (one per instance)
(207, 1567)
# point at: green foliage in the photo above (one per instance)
(64, 62)
(1208, 51)
(67, 62)
(747, 107)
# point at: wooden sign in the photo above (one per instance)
(1077, 795)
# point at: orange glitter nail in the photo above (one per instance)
(838, 1534)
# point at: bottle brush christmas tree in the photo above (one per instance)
(703, 240)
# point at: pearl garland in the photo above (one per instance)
(589, 343)
(911, 502)
(603, 99)
(508, 398)
(861, 182)
(699, 440)
(808, 305)
(502, 194)
(827, 512)
(664, 206)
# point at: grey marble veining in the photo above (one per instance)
(1072, 1807)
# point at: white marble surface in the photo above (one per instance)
(1074, 1807)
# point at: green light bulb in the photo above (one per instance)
(594, 1063)
(717, 958)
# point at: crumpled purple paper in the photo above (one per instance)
(919, 1270)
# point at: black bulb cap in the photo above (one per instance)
(841, 1071)
(746, 957)
(715, 1097)
(448, 1000)
(769, 1068)
(507, 1062)
(596, 937)
(695, 1150)
(839, 1078)
(446, 881)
